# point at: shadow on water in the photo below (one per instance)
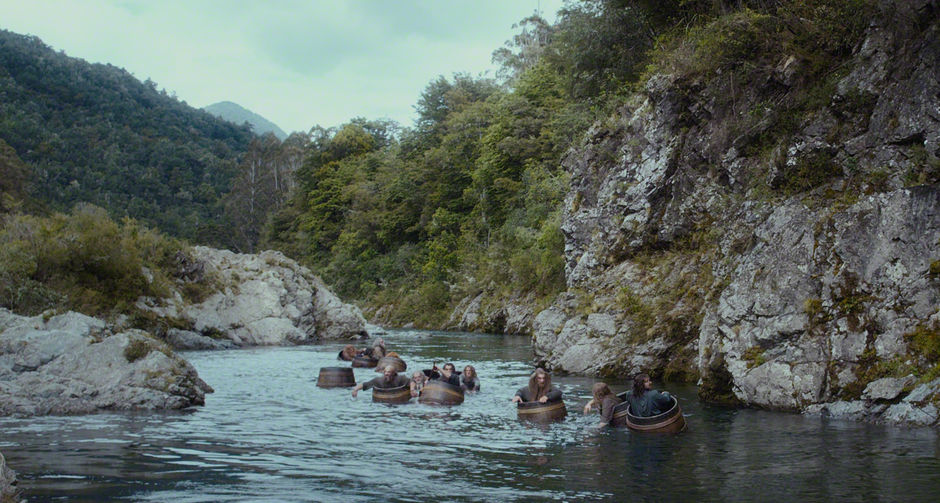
(268, 433)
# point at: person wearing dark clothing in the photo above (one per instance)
(389, 379)
(539, 389)
(469, 380)
(605, 400)
(448, 374)
(646, 401)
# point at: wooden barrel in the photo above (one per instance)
(441, 393)
(400, 394)
(336, 377)
(671, 421)
(364, 362)
(620, 413)
(542, 412)
(398, 363)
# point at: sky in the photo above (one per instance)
(298, 63)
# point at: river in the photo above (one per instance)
(269, 434)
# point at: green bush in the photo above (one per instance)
(84, 261)
(136, 349)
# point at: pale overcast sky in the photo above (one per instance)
(297, 63)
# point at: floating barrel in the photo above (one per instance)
(671, 421)
(542, 412)
(620, 413)
(364, 362)
(400, 394)
(441, 393)
(398, 363)
(336, 377)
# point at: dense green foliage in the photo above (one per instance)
(94, 133)
(469, 201)
(84, 261)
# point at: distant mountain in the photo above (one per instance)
(233, 112)
(94, 133)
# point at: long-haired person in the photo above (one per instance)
(646, 401)
(540, 389)
(605, 400)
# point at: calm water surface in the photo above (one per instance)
(269, 434)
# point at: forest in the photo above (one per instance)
(468, 200)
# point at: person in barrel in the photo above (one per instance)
(388, 379)
(540, 389)
(605, 401)
(377, 351)
(348, 353)
(418, 380)
(469, 380)
(447, 373)
(646, 401)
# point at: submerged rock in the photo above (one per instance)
(75, 364)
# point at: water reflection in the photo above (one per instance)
(268, 433)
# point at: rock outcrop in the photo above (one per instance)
(788, 271)
(257, 299)
(73, 364)
(505, 317)
(8, 490)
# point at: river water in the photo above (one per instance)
(269, 434)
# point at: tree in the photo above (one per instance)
(13, 176)
(256, 191)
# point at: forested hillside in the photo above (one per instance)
(94, 133)
(469, 201)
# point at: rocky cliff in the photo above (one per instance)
(768, 227)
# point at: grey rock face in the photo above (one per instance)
(185, 339)
(514, 316)
(262, 299)
(45, 368)
(8, 489)
(888, 388)
(811, 302)
(793, 298)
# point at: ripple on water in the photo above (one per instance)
(268, 433)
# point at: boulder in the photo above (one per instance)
(45, 368)
(888, 389)
(259, 299)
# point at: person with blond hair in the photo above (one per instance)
(605, 400)
(418, 380)
(540, 389)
